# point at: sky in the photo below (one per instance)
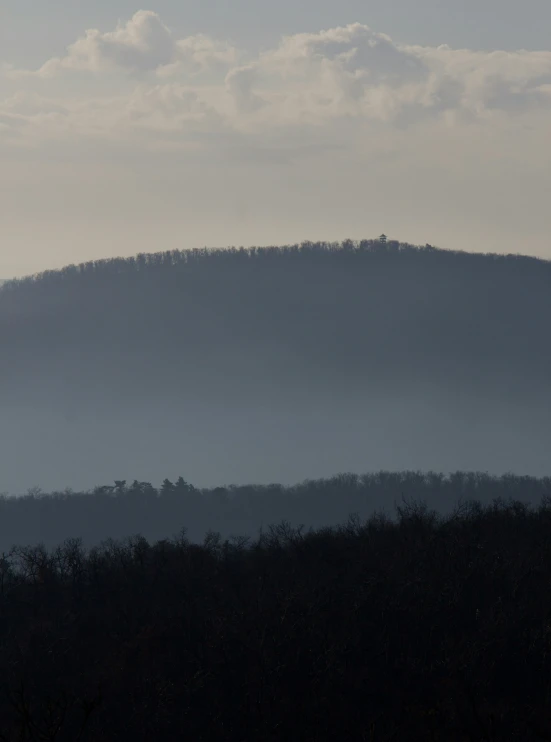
(183, 124)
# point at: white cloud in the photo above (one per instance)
(353, 71)
(200, 53)
(310, 79)
(142, 44)
(372, 57)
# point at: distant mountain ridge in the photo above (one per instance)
(272, 364)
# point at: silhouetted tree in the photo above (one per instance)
(167, 487)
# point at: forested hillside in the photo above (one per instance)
(422, 629)
(275, 364)
(124, 509)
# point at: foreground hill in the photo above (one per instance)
(275, 364)
(423, 629)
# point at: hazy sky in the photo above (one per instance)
(211, 122)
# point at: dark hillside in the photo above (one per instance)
(280, 363)
(122, 509)
(421, 629)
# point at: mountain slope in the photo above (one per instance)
(278, 363)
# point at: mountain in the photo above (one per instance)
(276, 364)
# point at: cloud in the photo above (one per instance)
(308, 82)
(239, 86)
(352, 70)
(142, 44)
(486, 81)
(356, 49)
(200, 53)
